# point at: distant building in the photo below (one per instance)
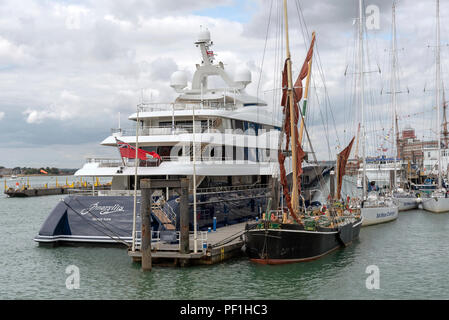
(410, 148)
(6, 172)
(430, 162)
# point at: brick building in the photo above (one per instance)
(411, 148)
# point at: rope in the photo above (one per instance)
(232, 237)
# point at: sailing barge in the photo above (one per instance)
(273, 242)
(296, 233)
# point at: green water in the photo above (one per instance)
(411, 253)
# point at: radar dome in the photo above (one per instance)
(243, 76)
(178, 80)
(204, 35)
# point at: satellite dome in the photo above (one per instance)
(204, 35)
(243, 76)
(178, 80)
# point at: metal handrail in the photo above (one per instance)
(202, 237)
(232, 188)
(155, 239)
(205, 104)
(171, 213)
(161, 130)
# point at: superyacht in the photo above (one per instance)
(223, 139)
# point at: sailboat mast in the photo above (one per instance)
(393, 84)
(437, 66)
(362, 95)
(295, 195)
(445, 132)
(306, 95)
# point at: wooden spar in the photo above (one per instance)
(335, 176)
(295, 196)
(306, 95)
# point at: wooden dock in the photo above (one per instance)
(223, 244)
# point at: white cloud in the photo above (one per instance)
(13, 54)
(2, 115)
(66, 107)
(61, 61)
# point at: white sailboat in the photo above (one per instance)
(406, 200)
(375, 208)
(438, 201)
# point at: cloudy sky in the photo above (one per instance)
(68, 67)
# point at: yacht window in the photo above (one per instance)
(238, 124)
(183, 123)
(165, 124)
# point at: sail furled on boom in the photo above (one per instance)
(342, 159)
(297, 95)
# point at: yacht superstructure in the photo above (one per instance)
(235, 134)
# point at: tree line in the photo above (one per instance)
(26, 170)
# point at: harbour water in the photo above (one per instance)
(411, 253)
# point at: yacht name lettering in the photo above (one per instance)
(103, 209)
(386, 214)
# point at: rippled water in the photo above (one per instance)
(411, 253)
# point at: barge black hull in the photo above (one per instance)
(290, 245)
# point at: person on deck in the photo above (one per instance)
(372, 186)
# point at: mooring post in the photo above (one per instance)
(145, 213)
(185, 217)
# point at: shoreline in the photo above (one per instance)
(35, 175)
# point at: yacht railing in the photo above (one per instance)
(161, 130)
(116, 163)
(105, 162)
(232, 188)
(152, 107)
(198, 158)
(116, 193)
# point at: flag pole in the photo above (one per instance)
(195, 234)
(135, 182)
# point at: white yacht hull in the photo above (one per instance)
(436, 204)
(407, 203)
(376, 215)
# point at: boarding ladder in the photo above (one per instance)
(168, 220)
